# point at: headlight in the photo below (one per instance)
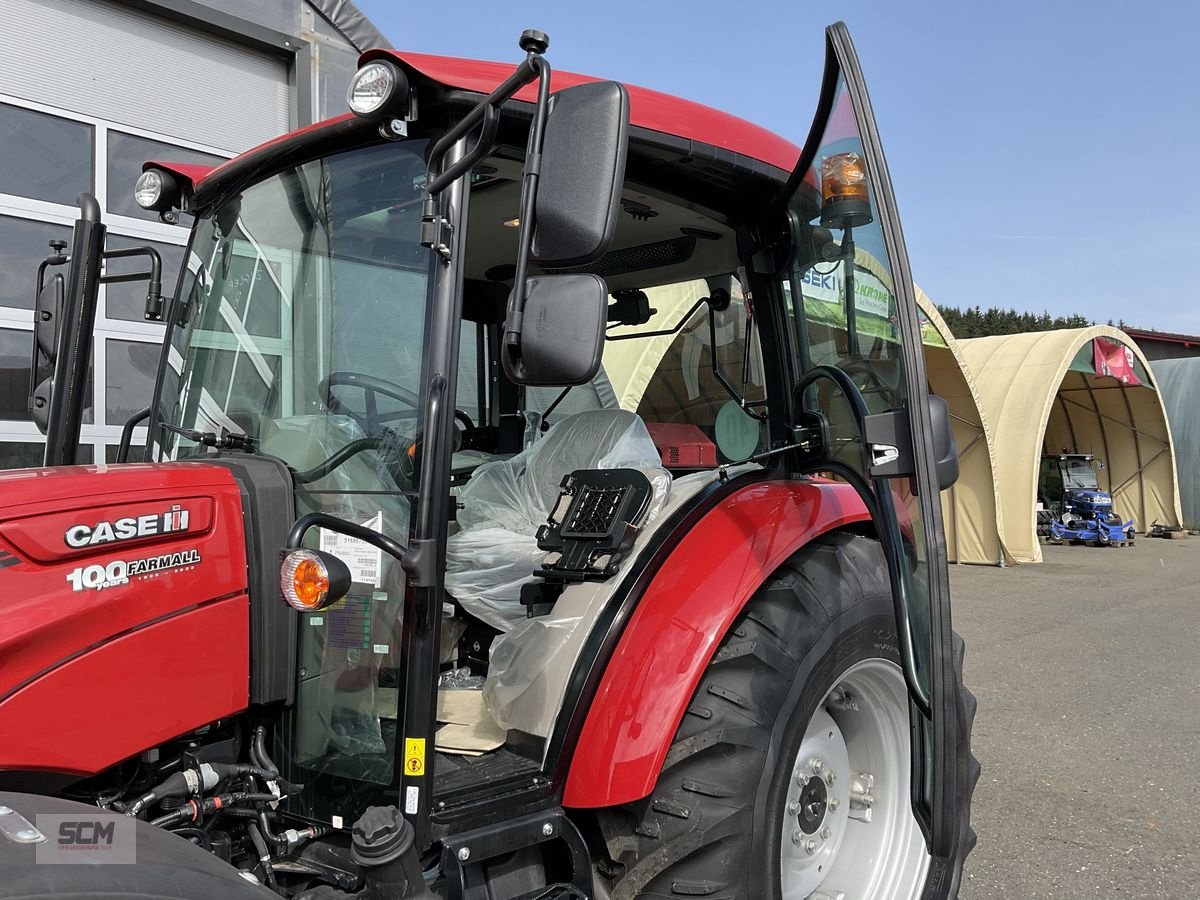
(149, 188)
(310, 580)
(158, 191)
(377, 88)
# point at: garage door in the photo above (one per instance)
(104, 59)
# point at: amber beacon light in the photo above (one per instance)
(845, 192)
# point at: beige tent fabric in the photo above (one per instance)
(971, 511)
(1036, 404)
(631, 364)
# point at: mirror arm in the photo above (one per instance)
(678, 327)
(154, 276)
(729, 386)
(437, 179)
(515, 313)
(490, 116)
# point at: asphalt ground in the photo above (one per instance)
(1087, 670)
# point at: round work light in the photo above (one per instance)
(377, 88)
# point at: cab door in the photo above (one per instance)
(863, 413)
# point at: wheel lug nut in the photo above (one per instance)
(830, 777)
(794, 807)
(834, 803)
(817, 766)
(797, 837)
(811, 847)
(826, 833)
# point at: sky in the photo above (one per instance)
(1042, 153)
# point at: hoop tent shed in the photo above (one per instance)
(971, 510)
(1041, 394)
(1179, 382)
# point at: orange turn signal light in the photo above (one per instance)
(311, 580)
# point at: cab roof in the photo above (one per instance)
(649, 109)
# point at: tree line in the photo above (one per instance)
(974, 321)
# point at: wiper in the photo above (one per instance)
(228, 440)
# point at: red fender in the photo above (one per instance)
(688, 607)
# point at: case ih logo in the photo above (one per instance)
(127, 528)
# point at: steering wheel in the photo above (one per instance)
(371, 386)
(872, 378)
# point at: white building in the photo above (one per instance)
(89, 90)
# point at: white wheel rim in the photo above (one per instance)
(848, 828)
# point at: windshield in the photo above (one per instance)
(301, 316)
(1078, 473)
(300, 325)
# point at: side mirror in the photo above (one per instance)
(554, 325)
(889, 439)
(47, 315)
(563, 334)
(945, 448)
(583, 168)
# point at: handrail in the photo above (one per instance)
(127, 433)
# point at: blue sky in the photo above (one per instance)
(1042, 152)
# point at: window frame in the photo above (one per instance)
(100, 432)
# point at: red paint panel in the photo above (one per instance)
(687, 609)
(267, 145)
(44, 537)
(90, 713)
(191, 174)
(648, 109)
(45, 620)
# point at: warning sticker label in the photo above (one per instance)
(414, 756)
(364, 561)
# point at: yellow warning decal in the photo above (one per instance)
(414, 756)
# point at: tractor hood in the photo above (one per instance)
(122, 588)
(1089, 496)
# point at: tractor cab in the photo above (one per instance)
(1073, 507)
(1064, 475)
(534, 390)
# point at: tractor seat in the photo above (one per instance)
(495, 550)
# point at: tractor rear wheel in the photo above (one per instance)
(789, 775)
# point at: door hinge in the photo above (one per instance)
(436, 230)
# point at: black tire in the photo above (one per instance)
(712, 828)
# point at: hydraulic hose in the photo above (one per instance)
(264, 855)
(196, 781)
(258, 752)
(195, 810)
(201, 836)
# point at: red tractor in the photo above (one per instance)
(540, 500)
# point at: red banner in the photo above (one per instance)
(1115, 360)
